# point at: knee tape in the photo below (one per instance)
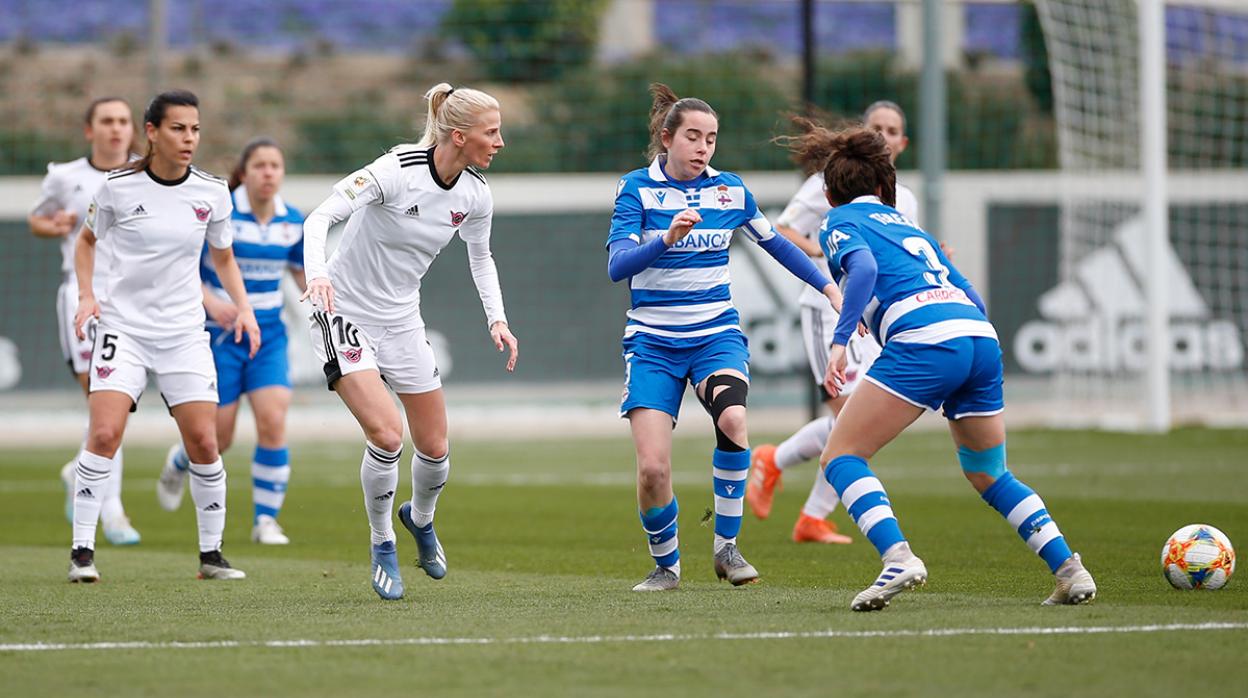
(989, 462)
(734, 392)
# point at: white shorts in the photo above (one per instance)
(182, 364)
(77, 352)
(402, 355)
(818, 326)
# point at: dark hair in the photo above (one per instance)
(155, 115)
(89, 116)
(885, 104)
(667, 113)
(810, 157)
(857, 162)
(236, 176)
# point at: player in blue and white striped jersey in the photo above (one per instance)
(268, 241)
(670, 233)
(938, 349)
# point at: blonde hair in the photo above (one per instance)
(451, 109)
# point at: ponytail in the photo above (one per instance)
(452, 109)
(856, 160)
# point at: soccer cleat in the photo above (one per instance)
(731, 566)
(661, 579)
(170, 485)
(268, 532)
(82, 566)
(902, 571)
(1074, 584)
(386, 580)
(809, 529)
(764, 480)
(213, 566)
(120, 532)
(67, 479)
(431, 558)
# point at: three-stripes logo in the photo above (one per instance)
(1095, 321)
(384, 497)
(85, 493)
(215, 506)
(413, 211)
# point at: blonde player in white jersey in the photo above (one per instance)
(155, 216)
(800, 223)
(58, 214)
(401, 210)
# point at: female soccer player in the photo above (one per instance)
(155, 216)
(938, 349)
(800, 223)
(670, 233)
(367, 328)
(268, 240)
(66, 192)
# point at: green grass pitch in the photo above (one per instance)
(544, 544)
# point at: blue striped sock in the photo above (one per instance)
(659, 524)
(866, 501)
(729, 469)
(270, 473)
(1025, 511)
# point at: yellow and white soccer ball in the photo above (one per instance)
(1198, 556)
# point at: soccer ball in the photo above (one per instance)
(1198, 556)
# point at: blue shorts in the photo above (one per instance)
(656, 369)
(963, 374)
(238, 374)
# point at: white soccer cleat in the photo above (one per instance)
(730, 565)
(1074, 584)
(82, 566)
(661, 579)
(268, 532)
(902, 570)
(120, 532)
(213, 566)
(171, 484)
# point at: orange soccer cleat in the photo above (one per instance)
(764, 480)
(809, 529)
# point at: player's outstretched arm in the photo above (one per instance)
(232, 281)
(795, 260)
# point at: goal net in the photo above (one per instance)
(1091, 334)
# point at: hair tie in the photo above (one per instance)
(450, 92)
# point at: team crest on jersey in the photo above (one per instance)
(360, 182)
(201, 213)
(722, 196)
(104, 371)
(352, 355)
(457, 217)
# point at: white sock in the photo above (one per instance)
(379, 475)
(90, 487)
(675, 568)
(111, 511)
(806, 443)
(208, 493)
(822, 499)
(720, 542)
(428, 478)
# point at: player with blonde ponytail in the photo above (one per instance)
(401, 211)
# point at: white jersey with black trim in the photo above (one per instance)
(69, 186)
(805, 213)
(401, 215)
(156, 231)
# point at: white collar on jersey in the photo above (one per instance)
(243, 205)
(868, 199)
(658, 175)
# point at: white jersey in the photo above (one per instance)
(401, 215)
(69, 186)
(805, 213)
(156, 231)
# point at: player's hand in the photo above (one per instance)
(88, 309)
(64, 222)
(682, 223)
(863, 330)
(321, 292)
(833, 294)
(504, 339)
(947, 249)
(834, 377)
(245, 323)
(222, 312)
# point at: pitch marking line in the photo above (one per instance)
(606, 639)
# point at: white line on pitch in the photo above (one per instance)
(606, 639)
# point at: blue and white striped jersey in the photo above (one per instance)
(263, 252)
(918, 296)
(685, 293)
